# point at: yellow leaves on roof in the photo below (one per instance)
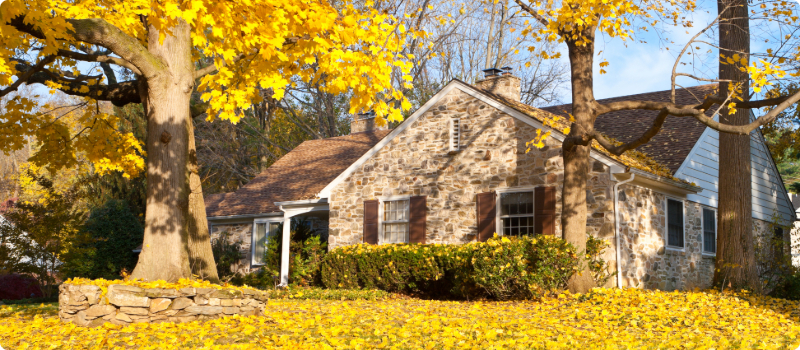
(601, 319)
(633, 158)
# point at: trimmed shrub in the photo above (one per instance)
(18, 287)
(501, 268)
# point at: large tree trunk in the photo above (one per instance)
(164, 253)
(575, 151)
(201, 257)
(735, 248)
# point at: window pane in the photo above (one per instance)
(395, 233)
(675, 223)
(260, 244)
(516, 203)
(709, 231)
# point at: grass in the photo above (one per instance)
(603, 319)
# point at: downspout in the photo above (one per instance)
(616, 228)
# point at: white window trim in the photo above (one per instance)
(455, 144)
(498, 220)
(703, 230)
(380, 215)
(253, 237)
(666, 224)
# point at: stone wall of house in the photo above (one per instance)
(492, 156)
(645, 260)
(85, 305)
(241, 233)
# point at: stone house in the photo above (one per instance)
(459, 169)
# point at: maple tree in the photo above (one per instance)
(577, 24)
(260, 43)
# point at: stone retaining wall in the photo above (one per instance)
(85, 305)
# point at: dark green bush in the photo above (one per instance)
(501, 268)
(114, 233)
(227, 253)
(789, 287)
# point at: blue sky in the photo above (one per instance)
(637, 68)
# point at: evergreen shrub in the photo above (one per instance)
(501, 268)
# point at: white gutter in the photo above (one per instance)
(616, 228)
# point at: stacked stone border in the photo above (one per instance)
(87, 306)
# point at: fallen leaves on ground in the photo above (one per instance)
(602, 319)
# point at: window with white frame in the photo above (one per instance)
(675, 223)
(394, 221)
(516, 213)
(261, 235)
(455, 134)
(709, 231)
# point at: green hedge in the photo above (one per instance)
(501, 268)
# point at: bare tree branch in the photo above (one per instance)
(645, 138)
(99, 58)
(532, 12)
(99, 32)
(119, 94)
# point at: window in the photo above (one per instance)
(709, 231)
(395, 221)
(674, 223)
(455, 134)
(778, 232)
(263, 231)
(516, 213)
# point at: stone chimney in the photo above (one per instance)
(500, 82)
(364, 122)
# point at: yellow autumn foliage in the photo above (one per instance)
(602, 319)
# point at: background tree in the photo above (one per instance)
(41, 233)
(577, 23)
(345, 49)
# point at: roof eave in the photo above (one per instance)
(659, 183)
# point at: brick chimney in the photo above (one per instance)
(500, 82)
(364, 122)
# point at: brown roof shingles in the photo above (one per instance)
(677, 136)
(300, 174)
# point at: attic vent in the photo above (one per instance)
(455, 134)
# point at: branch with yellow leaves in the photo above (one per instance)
(27, 75)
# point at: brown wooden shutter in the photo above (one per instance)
(418, 213)
(487, 213)
(545, 210)
(371, 222)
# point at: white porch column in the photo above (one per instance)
(291, 209)
(285, 241)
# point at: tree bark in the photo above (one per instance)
(164, 253)
(575, 151)
(201, 257)
(735, 264)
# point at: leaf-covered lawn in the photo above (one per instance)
(605, 318)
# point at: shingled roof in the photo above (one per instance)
(677, 136)
(300, 174)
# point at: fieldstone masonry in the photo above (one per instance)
(85, 305)
(492, 156)
(646, 261)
